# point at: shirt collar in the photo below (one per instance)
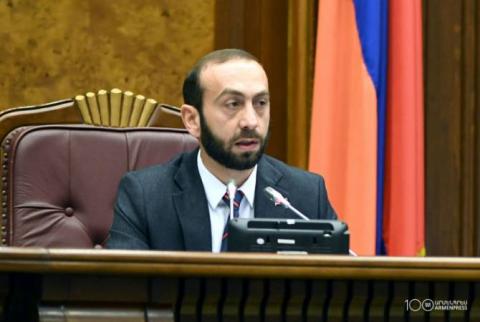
(216, 188)
(248, 187)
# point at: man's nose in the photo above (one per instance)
(249, 117)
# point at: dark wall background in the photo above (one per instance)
(261, 27)
(451, 43)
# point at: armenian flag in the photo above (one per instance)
(367, 121)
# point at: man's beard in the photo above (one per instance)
(221, 151)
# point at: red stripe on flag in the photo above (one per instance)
(404, 175)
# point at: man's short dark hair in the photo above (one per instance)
(192, 89)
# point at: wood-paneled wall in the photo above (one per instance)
(261, 27)
(51, 50)
(451, 56)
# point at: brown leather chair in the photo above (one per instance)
(60, 181)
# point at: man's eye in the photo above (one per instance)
(232, 104)
(262, 103)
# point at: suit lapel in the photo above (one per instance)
(191, 205)
(267, 175)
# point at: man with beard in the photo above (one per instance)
(182, 205)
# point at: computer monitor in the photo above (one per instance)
(288, 236)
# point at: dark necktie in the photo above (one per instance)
(236, 207)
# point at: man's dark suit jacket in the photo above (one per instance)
(164, 207)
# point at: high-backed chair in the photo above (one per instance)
(60, 180)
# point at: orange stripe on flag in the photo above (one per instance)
(343, 142)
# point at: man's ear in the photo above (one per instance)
(191, 119)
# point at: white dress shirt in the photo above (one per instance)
(218, 210)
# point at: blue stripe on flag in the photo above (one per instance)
(372, 24)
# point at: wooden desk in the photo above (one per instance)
(101, 285)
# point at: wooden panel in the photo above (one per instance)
(476, 119)
(252, 265)
(56, 49)
(451, 38)
(443, 122)
(260, 27)
(469, 127)
(98, 285)
(301, 54)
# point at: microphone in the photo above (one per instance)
(231, 189)
(278, 199)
